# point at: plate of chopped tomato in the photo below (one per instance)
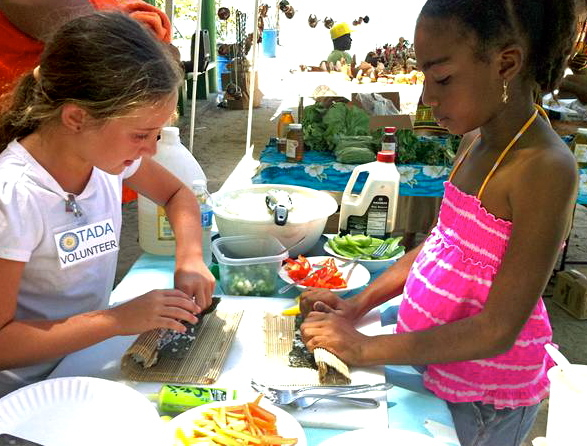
(324, 272)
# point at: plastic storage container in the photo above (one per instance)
(155, 234)
(249, 264)
(373, 210)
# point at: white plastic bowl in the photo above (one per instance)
(244, 212)
(372, 266)
(359, 277)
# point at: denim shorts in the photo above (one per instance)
(479, 424)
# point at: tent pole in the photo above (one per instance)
(249, 147)
(195, 58)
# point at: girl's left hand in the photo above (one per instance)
(197, 281)
(335, 334)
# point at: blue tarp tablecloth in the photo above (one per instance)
(319, 170)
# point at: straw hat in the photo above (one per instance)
(340, 29)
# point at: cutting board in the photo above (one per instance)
(247, 361)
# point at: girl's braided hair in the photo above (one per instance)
(545, 28)
(107, 63)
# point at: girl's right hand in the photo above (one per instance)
(325, 301)
(155, 309)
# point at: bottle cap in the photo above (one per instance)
(390, 129)
(169, 135)
(199, 184)
(386, 157)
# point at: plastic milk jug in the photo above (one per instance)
(372, 210)
(155, 233)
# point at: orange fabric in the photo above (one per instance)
(128, 194)
(20, 53)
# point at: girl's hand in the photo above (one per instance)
(323, 300)
(155, 309)
(335, 334)
(197, 282)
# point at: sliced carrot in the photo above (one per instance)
(258, 411)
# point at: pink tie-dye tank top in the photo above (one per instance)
(450, 280)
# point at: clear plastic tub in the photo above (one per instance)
(249, 264)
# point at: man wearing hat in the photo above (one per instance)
(341, 39)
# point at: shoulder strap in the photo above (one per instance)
(505, 152)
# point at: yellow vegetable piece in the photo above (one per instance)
(223, 439)
(292, 311)
(241, 435)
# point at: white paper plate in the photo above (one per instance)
(381, 436)
(81, 410)
(287, 425)
(359, 277)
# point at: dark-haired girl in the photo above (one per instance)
(471, 309)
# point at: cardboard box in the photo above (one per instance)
(244, 83)
(570, 292)
(399, 121)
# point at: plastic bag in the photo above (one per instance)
(377, 105)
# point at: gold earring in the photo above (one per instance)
(504, 95)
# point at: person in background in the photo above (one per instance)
(80, 124)
(24, 26)
(471, 312)
(341, 39)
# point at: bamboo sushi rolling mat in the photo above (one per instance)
(279, 335)
(201, 365)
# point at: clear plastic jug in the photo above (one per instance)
(155, 234)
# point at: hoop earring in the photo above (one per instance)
(504, 95)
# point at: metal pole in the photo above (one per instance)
(249, 147)
(195, 58)
(169, 11)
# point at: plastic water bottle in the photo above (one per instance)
(200, 189)
(155, 233)
(373, 210)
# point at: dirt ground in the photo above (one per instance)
(220, 137)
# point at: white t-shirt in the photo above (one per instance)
(70, 259)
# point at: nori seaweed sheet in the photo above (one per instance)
(299, 355)
(177, 345)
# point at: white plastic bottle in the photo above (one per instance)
(373, 210)
(200, 189)
(155, 234)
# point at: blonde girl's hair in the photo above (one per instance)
(107, 63)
